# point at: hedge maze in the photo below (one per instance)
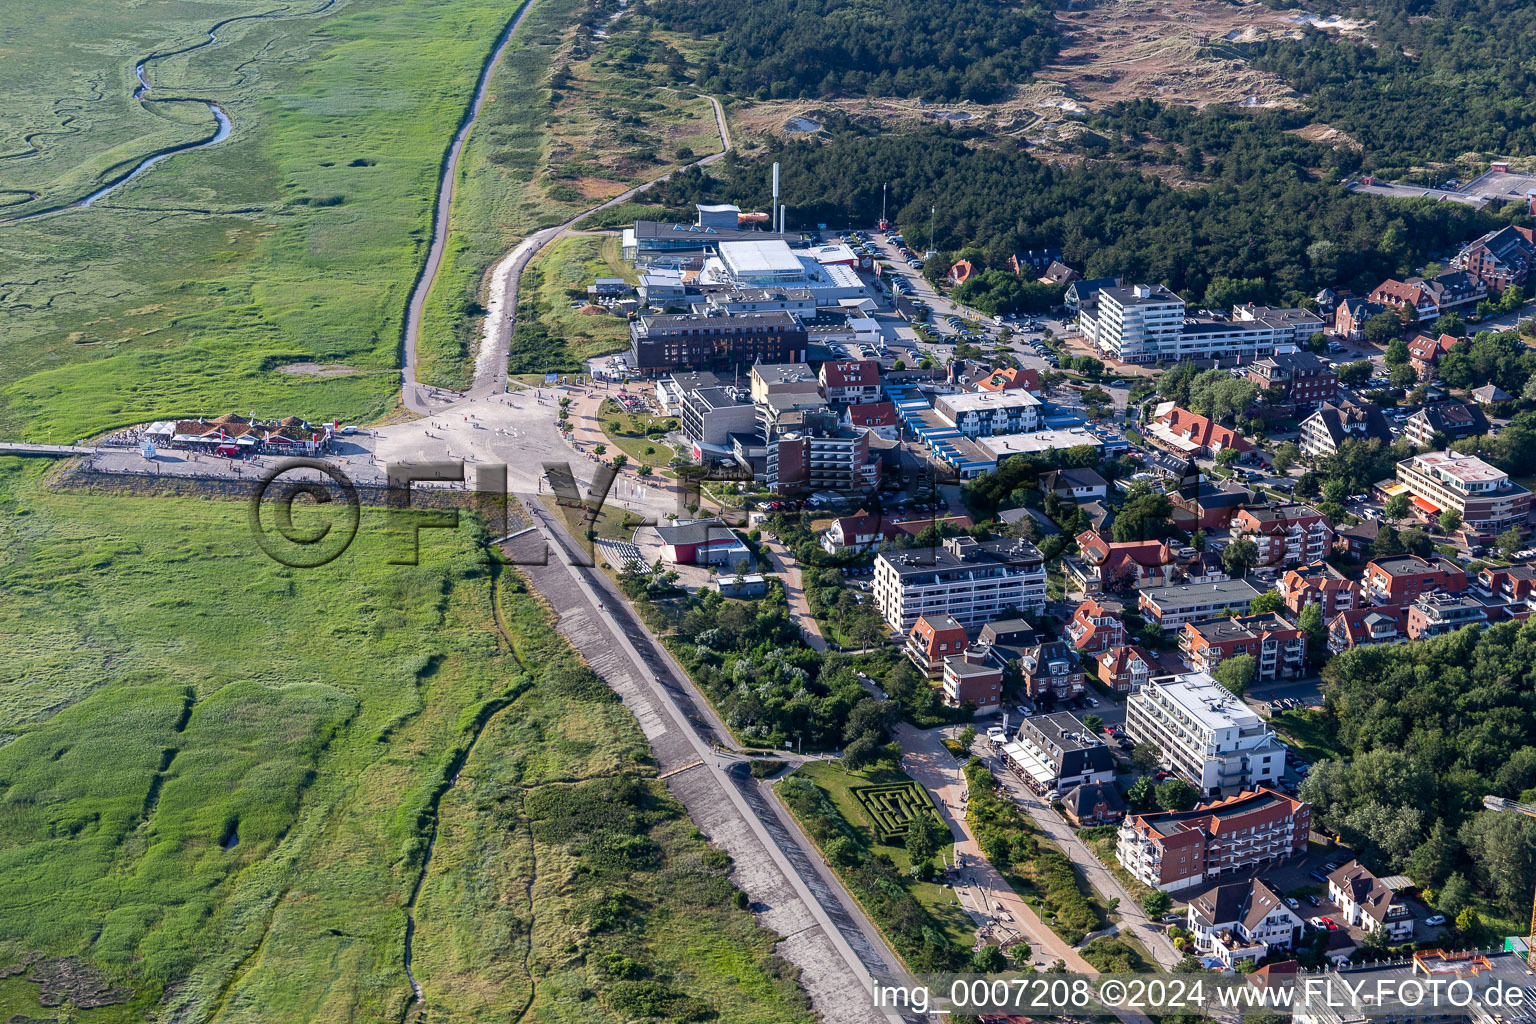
(890, 806)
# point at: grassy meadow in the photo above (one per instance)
(295, 240)
(220, 779)
(554, 143)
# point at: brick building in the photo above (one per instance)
(1093, 630)
(1051, 670)
(932, 639)
(1401, 579)
(1278, 648)
(1302, 378)
(1176, 850)
(1286, 534)
(1320, 584)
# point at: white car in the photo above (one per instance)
(1091, 702)
(1435, 919)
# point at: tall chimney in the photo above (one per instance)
(783, 212)
(774, 208)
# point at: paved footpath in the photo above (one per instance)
(930, 763)
(1133, 918)
(825, 933)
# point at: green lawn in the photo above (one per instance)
(953, 922)
(1310, 733)
(222, 777)
(295, 240)
(633, 435)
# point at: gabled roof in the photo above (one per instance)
(1200, 431)
(873, 414)
(1346, 419)
(1083, 800)
(858, 373)
(1368, 892)
(1428, 349)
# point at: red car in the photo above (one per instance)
(1329, 923)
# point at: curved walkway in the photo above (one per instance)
(501, 305)
(440, 213)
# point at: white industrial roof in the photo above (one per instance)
(1003, 445)
(770, 256)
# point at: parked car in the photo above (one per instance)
(1320, 876)
(1292, 902)
(1314, 900)
(1434, 919)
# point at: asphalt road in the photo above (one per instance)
(825, 934)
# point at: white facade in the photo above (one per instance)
(1134, 324)
(1205, 733)
(928, 581)
(990, 413)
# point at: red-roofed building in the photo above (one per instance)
(1372, 624)
(1011, 378)
(1184, 433)
(934, 638)
(1125, 669)
(1175, 850)
(1425, 351)
(1278, 648)
(1286, 534)
(1119, 565)
(962, 271)
(851, 382)
(1320, 584)
(1094, 630)
(879, 417)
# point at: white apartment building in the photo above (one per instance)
(1205, 733)
(990, 413)
(973, 581)
(1134, 323)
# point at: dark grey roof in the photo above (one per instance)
(1082, 800)
(700, 532)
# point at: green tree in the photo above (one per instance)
(1269, 601)
(1352, 374)
(1509, 541)
(1142, 795)
(1176, 795)
(1236, 673)
(1287, 454)
(1156, 903)
(862, 752)
(1146, 756)
(1450, 520)
(620, 461)
(1093, 723)
(1316, 631)
(1397, 507)
(599, 450)
(1238, 557)
(1397, 353)
(923, 837)
(989, 959)
(967, 736)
